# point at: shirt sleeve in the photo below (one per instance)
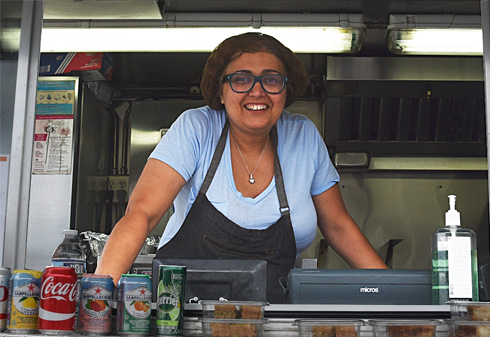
(180, 147)
(325, 173)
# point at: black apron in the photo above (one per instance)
(207, 233)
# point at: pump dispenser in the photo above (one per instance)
(454, 260)
(453, 218)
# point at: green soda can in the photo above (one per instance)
(170, 300)
(133, 304)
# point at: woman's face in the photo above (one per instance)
(255, 111)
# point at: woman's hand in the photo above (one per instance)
(342, 233)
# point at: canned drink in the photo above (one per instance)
(4, 296)
(170, 300)
(96, 304)
(24, 301)
(58, 302)
(133, 304)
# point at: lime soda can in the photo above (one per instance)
(170, 300)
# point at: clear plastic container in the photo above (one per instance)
(70, 253)
(329, 327)
(233, 309)
(470, 328)
(470, 311)
(215, 327)
(454, 260)
(406, 328)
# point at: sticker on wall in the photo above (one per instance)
(53, 133)
(55, 97)
(53, 142)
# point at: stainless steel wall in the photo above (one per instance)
(409, 206)
(391, 200)
(394, 197)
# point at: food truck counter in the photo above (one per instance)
(281, 319)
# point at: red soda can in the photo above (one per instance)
(58, 301)
(4, 296)
(96, 304)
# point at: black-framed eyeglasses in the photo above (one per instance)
(242, 83)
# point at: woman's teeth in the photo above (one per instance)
(256, 107)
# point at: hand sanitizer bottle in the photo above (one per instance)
(454, 260)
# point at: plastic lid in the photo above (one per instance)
(453, 217)
(70, 232)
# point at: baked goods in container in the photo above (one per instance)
(411, 331)
(243, 330)
(473, 331)
(251, 312)
(322, 331)
(478, 312)
(345, 331)
(220, 330)
(233, 330)
(333, 331)
(227, 311)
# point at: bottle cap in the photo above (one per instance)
(70, 232)
(453, 217)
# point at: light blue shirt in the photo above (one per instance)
(189, 145)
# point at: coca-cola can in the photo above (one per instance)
(58, 301)
(4, 296)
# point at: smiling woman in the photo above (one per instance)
(248, 179)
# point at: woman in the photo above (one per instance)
(249, 179)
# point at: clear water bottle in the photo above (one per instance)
(70, 253)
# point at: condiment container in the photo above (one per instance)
(469, 328)
(233, 318)
(216, 327)
(470, 311)
(329, 327)
(406, 327)
(233, 309)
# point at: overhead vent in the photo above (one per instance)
(407, 125)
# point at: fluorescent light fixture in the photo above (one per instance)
(435, 35)
(310, 33)
(10, 39)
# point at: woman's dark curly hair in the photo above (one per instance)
(233, 47)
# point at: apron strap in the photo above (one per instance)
(216, 159)
(281, 191)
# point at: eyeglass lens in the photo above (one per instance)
(272, 84)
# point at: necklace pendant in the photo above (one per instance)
(251, 179)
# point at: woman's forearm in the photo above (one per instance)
(122, 247)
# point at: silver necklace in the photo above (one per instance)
(251, 174)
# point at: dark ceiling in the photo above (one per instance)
(376, 12)
(183, 70)
(150, 70)
(372, 9)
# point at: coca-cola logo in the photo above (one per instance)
(4, 293)
(58, 290)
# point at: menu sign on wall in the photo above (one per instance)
(53, 133)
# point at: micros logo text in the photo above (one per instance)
(369, 290)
